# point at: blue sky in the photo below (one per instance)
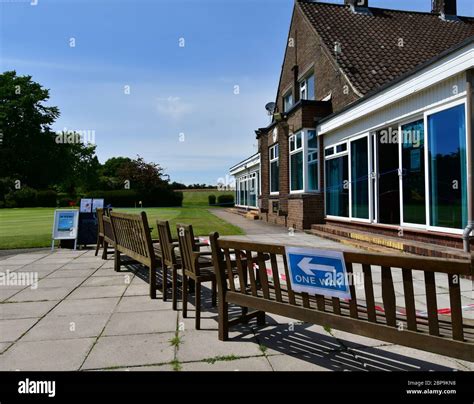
(182, 110)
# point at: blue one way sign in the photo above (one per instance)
(318, 272)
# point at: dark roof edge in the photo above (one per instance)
(399, 79)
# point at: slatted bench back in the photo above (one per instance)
(259, 284)
(132, 237)
(166, 242)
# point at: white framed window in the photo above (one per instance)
(297, 163)
(274, 169)
(287, 101)
(307, 88)
(304, 161)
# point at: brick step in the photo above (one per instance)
(248, 214)
(394, 243)
(351, 242)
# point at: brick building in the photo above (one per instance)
(352, 77)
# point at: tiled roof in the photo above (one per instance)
(371, 52)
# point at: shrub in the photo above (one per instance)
(225, 200)
(124, 198)
(22, 198)
(46, 198)
(212, 200)
(66, 202)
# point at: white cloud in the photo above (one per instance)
(173, 107)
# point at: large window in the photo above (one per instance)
(307, 88)
(313, 166)
(247, 189)
(447, 168)
(296, 162)
(337, 184)
(274, 169)
(287, 102)
(360, 178)
(413, 172)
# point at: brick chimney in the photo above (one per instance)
(444, 7)
(357, 3)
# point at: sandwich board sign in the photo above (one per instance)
(316, 271)
(65, 225)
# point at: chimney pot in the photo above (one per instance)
(444, 7)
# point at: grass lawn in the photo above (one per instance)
(32, 227)
(199, 198)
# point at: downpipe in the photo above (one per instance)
(466, 238)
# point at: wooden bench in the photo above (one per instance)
(133, 238)
(105, 236)
(450, 335)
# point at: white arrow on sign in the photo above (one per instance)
(306, 266)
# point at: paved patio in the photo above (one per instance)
(85, 316)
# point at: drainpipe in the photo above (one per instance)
(470, 156)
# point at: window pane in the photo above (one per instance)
(274, 173)
(360, 178)
(447, 164)
(313, 176)
(292, 143)
(337, 192)
(341, 148)
(288, 102)
(413, 166)
(296, 183)
(329, 152)
(310, 87)
(312, 140)
(298, 141)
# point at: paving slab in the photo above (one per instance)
(11, 330)
(71, 273)
(141, 289)
(252, 364)
(86, 306)
(40, 294)
(53, 327)
(109, 280)
(7, 292)
(25, 310)
(4, 346)
(141, 304)
(396, 357)
(56, 355)
(326, 361)
(130, 350)
(197, 345)
(97, 292)
(158, 368)
(146, 322)
(60, 282)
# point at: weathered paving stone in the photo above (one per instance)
(71, 273)
(141, 304)
(53, 327)
(40, 294)
(108, 280)
(60, 282)
(86, 306)
(130, 350)
(46, 355)
(11, 330)
(256, 364)
(97, 292)
(25, 310)
(145, 322)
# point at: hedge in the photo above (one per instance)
(27, 197)
(125, 198)
(225, 200)
(212, 200)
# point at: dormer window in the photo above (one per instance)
(287, 102)
(307, 88)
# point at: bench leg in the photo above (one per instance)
(197, 300)
(174, 291)
(261, 318)
(214, 293)
(245, 311)
(99, 242)
(223, 319)
(185, 296)
(117, 261)
(152, 280)
(164, 271)
(104, 252)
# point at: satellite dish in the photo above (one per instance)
(270, 107)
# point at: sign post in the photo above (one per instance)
(317, 271)
(65, 225)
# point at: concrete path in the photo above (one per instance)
(82, 315)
